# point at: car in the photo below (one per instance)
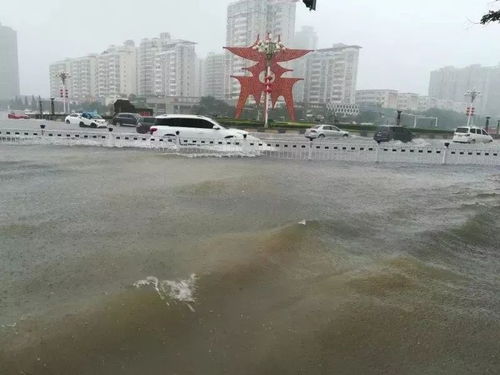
(73, 119)
(92, 120)
(389, 133)
(471, 134)
(193, 126)
(126, 119)
(323, 131)
(145, 124)
(16, 116)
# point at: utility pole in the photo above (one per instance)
(41, 107)
(398, 119)
(487, 126)
(473, 94)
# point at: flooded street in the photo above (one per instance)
(123, 261)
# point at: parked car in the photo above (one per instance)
(192, 126)
(323, 131)
(145, 124)
(471, 134)
(73, 119)
(126, 119)
(92, 120)
(16, 116)
(393, 133)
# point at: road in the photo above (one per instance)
(355, 139)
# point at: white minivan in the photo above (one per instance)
(471, 134)
(191, 126)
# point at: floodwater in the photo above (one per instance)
(131, 262)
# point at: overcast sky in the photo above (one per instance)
(402, 40)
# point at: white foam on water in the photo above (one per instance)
(172, 290)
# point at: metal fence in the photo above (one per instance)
(268, 148)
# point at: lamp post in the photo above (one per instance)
(64, 76)
(473, 94)
(270, 49)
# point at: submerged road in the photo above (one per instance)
(57, 125)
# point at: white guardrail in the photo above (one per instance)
(270, 148)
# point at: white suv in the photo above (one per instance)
(191, 126)
(471, 134)
(322, 131)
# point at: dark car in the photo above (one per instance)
(145, 124)
(393, 133)
(126, 119)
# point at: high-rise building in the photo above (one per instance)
(9, 63)
(451, 84)
(117, 71)
(331, 75)
(200, 78)
(55, 81)
(178, 61)
(82, 83)
(248, 19)
(306, 38)
(214, 76)
(166, 66)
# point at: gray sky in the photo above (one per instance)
(402, 40)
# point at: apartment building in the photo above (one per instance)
(383, 98)
(248, 19)
(166, 66)
(451, 83)
(213, 81)
(117, 71)
(331, 75)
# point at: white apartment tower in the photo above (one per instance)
(331, 75)
(167, 67)
(117, 71)
(306, 38)
(248, 19)
(214, 76)
(83, 83)
(178, 62)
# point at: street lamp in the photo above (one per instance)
(270, 49)
(64, 76)
(473, 94)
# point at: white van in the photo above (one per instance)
(471, 134)
(191, 126)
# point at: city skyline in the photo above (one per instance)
(396, 53)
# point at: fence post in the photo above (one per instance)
(378, 151)
(445, 154)
(309, 157)
(42, 126)
(111, 137)
(178, 140)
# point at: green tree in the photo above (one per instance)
(491, 16)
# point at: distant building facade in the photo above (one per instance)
(247, 19)
(166, 67)
(331, 75)
(82, 83)
(451, 83)
(306, 38)
(9, 64)
(117, 71)
(214, 76)
(383, 98)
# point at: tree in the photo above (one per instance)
(491, 16)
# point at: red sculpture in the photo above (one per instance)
(275, 84)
